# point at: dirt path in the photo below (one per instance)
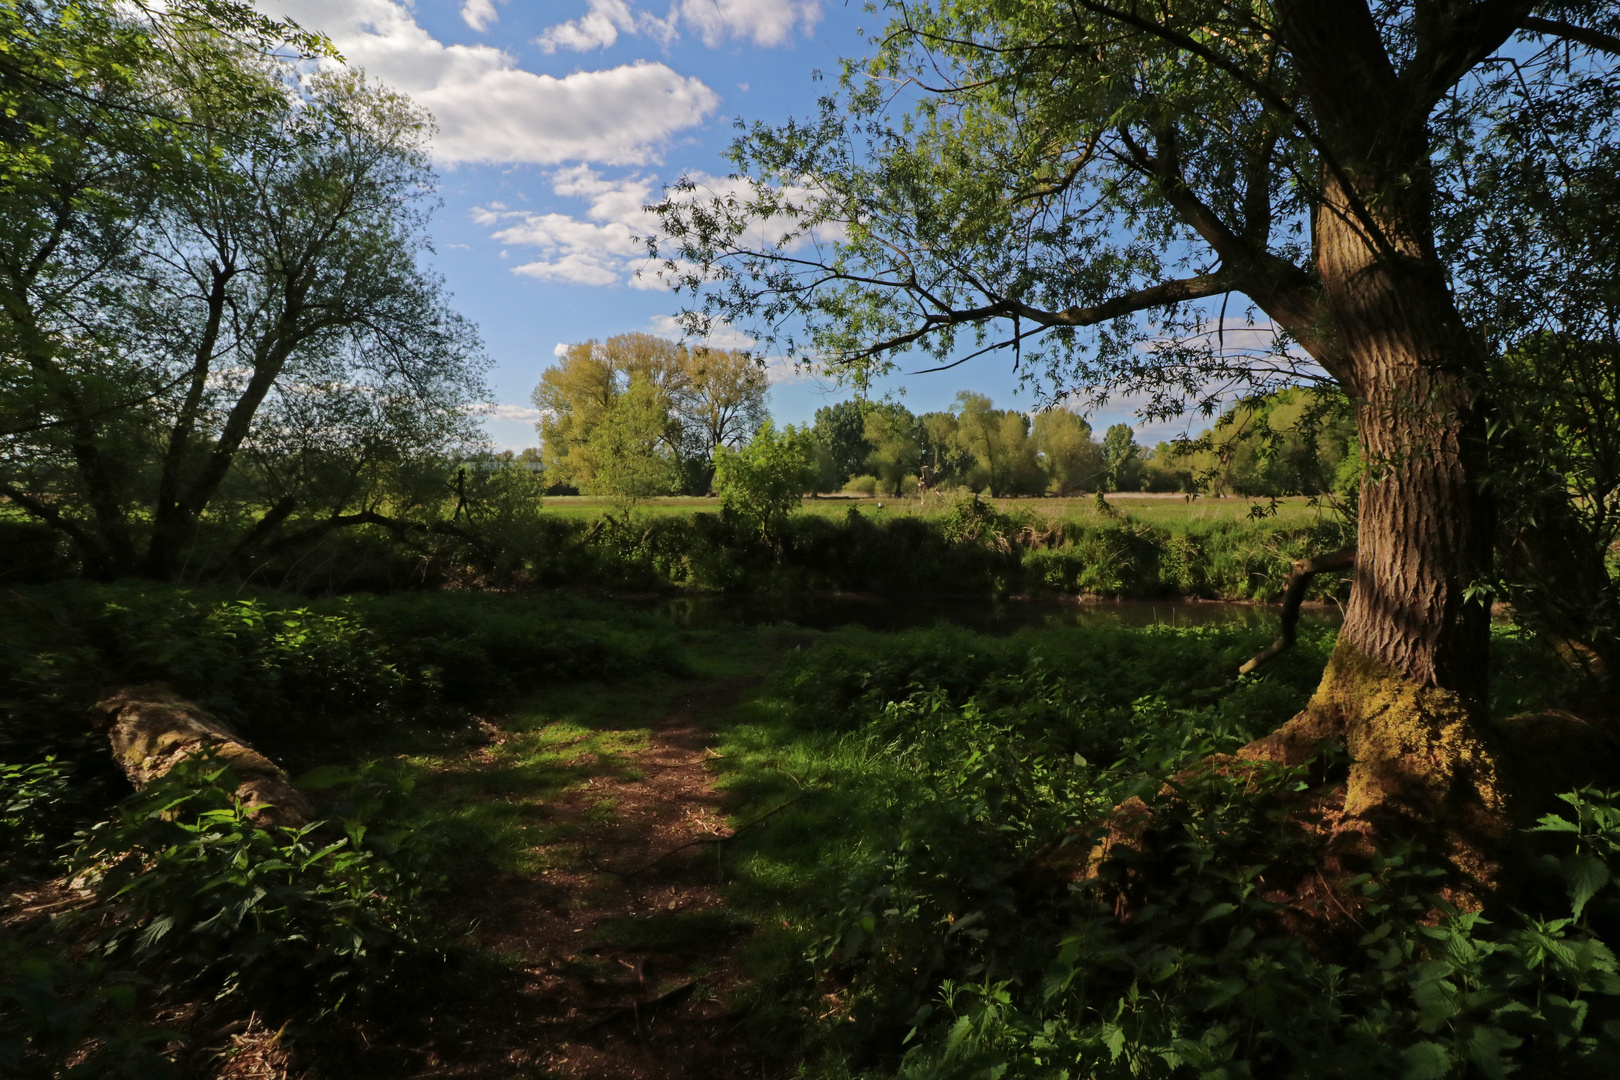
(628, 957)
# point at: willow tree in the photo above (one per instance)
(1093, 186)
(214, 317)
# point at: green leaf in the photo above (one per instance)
(1426, 1061)
(1485, 1048)
(1587, 874)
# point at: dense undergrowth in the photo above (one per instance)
(905, 805)
(187, 907)
(919, 787)
(971, 547)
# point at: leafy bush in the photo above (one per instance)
(56, 1009)
(761, 483)
(944, 771)
(197, 894)
(33, 813)
(296, 679)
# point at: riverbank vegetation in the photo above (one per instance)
(530, 821)
(971, 546)
(901, 889)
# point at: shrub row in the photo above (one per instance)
(972, 549)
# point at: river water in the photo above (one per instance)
(888, 613)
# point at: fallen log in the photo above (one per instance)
(152, 729)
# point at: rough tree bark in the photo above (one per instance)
(1405, 691)
(152, 730)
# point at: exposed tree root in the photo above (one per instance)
(1422, 767)
(1416, 765)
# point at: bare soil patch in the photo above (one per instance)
(626, 952)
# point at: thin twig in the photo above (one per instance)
(635, 1008)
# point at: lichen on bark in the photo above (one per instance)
(1423, 764)
(151, 729)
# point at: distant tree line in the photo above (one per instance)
(1290, 442)
(638, 416)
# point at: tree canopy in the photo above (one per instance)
(1410, 201)
(706, 399)
(211, 280)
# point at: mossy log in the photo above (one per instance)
(152, 729)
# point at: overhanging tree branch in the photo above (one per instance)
(1592, 39)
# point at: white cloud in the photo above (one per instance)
(514, 412)
(490, 110)
(478, 14)
(721, 336)
(573, 269)
(766, 23)
(604, 246)
(781, 371)
(598, 28)
(601, 248)
(657, 277)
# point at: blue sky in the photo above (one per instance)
(558, 120)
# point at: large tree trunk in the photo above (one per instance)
(1405, 691)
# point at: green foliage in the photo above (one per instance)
(896, 441)
(195, 900)
(182, 199)
(55, 1008)
(955, 547)
(690, 402)
(998, 442)
(941, 768)
(1289, 442)
(761, 483)
(626, 451)
(1122, 458)
(480, 650)
(298, 920)
(1071, 457)
(840, 432)
(296, 679)
(864, 484)
(34, 807)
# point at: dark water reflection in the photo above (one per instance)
(827, 611)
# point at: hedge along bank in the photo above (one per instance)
(973, 547)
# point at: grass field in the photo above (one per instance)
(1174, 513)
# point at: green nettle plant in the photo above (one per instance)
(762, 482)
(961, 950)
(194, 892)
(32, 798)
